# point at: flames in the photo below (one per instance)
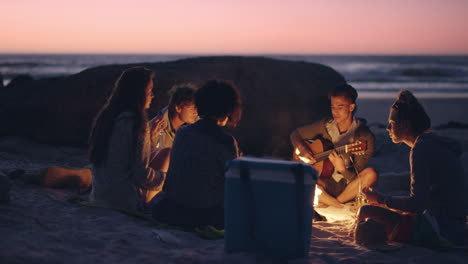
(316, 195)
(317, 190)
(303, 159)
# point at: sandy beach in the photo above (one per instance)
(99, 80)
(42, 225)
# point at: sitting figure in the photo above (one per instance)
(120, 144)
(194, 189)
(435, 211)
(348, 172)
(180, 111)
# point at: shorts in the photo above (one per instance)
(417, 230)
(403, 231)
(334, 188)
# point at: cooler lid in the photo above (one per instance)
(271, 164)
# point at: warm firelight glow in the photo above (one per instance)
(317, 193)
(303, 159)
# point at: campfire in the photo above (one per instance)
(332, 214)
(303, 159)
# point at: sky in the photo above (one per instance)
(235, 27)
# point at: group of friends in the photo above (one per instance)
(175, 163)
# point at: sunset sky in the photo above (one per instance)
(235, 27)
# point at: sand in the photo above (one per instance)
(40, 225)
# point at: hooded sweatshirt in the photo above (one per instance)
(437, 184)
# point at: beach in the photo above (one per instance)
(161, 96)
(441, 110)
(43, 225)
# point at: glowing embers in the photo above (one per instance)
(316, 196)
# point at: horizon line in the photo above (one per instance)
(235, 54)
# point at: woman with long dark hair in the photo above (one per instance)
(434, 213)
(119, 144)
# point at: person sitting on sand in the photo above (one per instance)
(342, 186)
(119, 144)
(194, 190)
(180, 111)
(435, 210)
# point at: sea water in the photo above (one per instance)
(374, 76)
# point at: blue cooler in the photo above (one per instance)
(268, 207)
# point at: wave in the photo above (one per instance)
(421, 86)
(365, 72)
(434, 72)
(24, 64)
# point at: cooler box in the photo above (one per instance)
(268, 207)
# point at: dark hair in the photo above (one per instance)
(218, 99)
(409, 110)
(129, 93)
(345, 90)
(181, 95)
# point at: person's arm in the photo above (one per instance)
(360, 161)
(303, 133)
(236, 150)
(144, 175)
(157, 125)
(417, 201)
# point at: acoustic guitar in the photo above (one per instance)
(322, 148)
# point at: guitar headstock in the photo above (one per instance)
(357, 148)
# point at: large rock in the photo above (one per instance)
(20, 80)
(278, 96)
(5, 186)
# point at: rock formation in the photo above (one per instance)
(278, 96)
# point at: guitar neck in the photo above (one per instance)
(324, 155)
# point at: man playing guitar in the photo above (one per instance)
(342, 184)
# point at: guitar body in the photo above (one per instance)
(321, 149)
(324, 168)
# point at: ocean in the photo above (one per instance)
(374, 76)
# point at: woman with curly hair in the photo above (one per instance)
(194, 189)
(434, 213)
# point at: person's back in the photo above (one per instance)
(114, 182)
(194, 188)
(439, 158)
(196, 173)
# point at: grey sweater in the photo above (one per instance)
(117, 182)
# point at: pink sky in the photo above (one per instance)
(235, 26)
